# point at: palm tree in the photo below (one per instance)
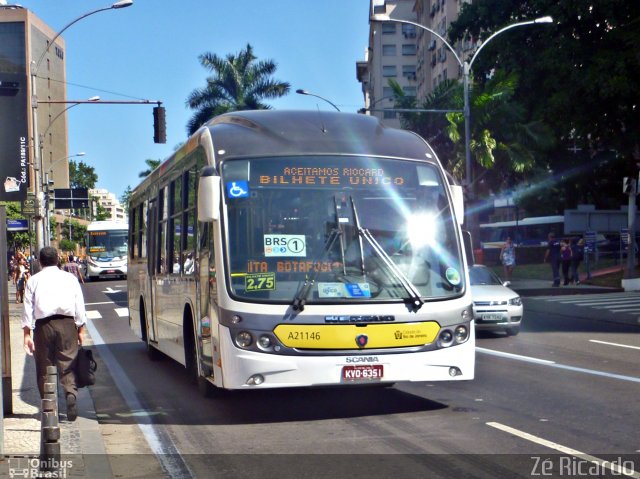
(504, 142)
(151, 165)
(238, 83)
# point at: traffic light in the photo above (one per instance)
(629, 185)
(159, 125)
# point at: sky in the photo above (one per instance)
(150, 51)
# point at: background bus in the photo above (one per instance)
(533, 231)
(106, 250)
(326, 249)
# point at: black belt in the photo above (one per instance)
(55, 316)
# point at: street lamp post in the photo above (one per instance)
(466, 71)
(305, 92)
(370, 107)
(37, 157)
(46, 185)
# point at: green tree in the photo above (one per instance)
(101, 213)
(578, 76)
(151, 165)
(431, 126)
(17, 239)
(124, 199)
(239, 82)
(503, 143)
(82, 175)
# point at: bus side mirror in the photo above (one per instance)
(208, 195)
(458, 202)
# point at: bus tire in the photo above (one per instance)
(152, 353)
(190, 354)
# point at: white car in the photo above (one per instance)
(495, 306)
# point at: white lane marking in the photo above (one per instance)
(617, 469)
(514, 356)
(111, 291)
(94, 315)
(159, 441)
(122, 312)
(553, 364)
(613, 344)
(96, 304)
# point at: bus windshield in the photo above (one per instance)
(339, 228)
(107, 245)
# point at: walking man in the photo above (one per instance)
(553, 256)
(54, 310)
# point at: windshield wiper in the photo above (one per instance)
(300, 298)
(414, 295)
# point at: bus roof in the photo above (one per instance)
(280, 133)
(107, 225)
(534, 220)
(266, 133)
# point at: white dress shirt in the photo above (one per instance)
(52, 291)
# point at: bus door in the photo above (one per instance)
(206, 292)
(152, 248)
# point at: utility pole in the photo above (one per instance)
(630, 187)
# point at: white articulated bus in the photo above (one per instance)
(282, 249)
(106, 249)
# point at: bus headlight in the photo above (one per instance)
(264, 341)
(244, 339)
(445, 339)
(461, 334)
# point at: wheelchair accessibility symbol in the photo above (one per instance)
(238, 189)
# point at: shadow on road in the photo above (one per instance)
(177, 401)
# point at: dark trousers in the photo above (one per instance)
(56, 344)
(555, 270)
(566, 263)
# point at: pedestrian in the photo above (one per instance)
(22, 276)
(553, 256)
(508, 258)
(565, 258)
(72, 267)
(577, 255)
(54, 310)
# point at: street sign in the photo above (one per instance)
(624, 236)
(17, 225)
(590, 240)
(71, 198)
(29, 206)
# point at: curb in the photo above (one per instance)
(561, 291)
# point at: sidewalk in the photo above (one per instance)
(81, 442)
(541, 287)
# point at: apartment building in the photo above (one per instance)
(435, 62)
(391, 54)
(110, 203)
(413, 56)
(24, 38)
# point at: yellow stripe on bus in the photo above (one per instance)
(352, 336)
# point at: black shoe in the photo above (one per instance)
(72, 409)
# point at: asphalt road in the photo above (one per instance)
(556, 399)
